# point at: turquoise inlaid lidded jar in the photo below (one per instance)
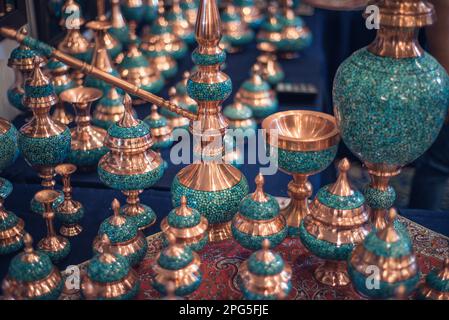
(161, 132)
(390, 100)
(190, 9)
(258, 219)
(119, 27)
(150, 11)
(236, 32)
(270, 28)
(337, 222)
(9, 150)
(187, 225)
(212, 187)
(384, 262)
(240, 116)
(265, 275)
(109, 110)
(43, 142)
(179, 23)
(124, 236)
(131, 166)
(21, 61)
(33, 276)
(179, 265)
(249, 12)
(109, 275)
(436, 285)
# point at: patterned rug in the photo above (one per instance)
(220, 263)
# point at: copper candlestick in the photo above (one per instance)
(69, 212)
(87, 146)
(55, 246)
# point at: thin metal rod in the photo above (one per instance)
(89, 69)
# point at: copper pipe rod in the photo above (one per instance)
(89, 69)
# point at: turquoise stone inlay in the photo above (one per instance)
(234, 113)
(261, 112)
(195, 246)
(25, 271)
(255, 210)
(390, 110)
(179, 261)
(15, 98)
(208, 59)
(138, 131)
(92, 82)
(71, 218)
(39, 91)
(145, 218)
(255, 242)
(217, 206)
(88, 158)
(305, 162)
(209, 91)
(4, 250)
(435, 282)
(104, 272)
(324, 249)
(133, 13)
(353, 201)
(397, 249)
(58, 256)
(180, 222)
(118, 233)
(380, 199)
(252, 296)
(45, 151)
(9, 150)
(265, 268)
(180, 291)
(38, 208)
(38, 46)
(121, 34)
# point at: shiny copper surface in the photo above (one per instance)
(333, 273)
(180, 27)
(160, 134)
(103, 40)
(68, 206)
(234, 29)
(433, 294)
(268, 66)
(109, 113)
(60, 78)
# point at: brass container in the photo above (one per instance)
(46, 282)
(130, 165)
(236, 33)
(136, 69)
(87, 146)
(265, 275)
(179, 23)
(109, 276)
(126, 239)
(436, 286)
(62, 81)
(109, 110)
(162, 38)
(160, 59)
(338, 221)
(55, 246)
(12, 228)
(304, 143)
(69, 212)
(177, 264)
(187, 225)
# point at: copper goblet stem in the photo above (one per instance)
(299, 191)
(47, 174)
(333, 273)
(133, 207)
(69, 230)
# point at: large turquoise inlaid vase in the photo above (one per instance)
(44, 143)
(130, 165)
(212, 187)
(391, 100)
(303, 143)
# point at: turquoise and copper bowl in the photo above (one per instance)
(303, 143)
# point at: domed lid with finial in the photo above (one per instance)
(259, 205)
(272, 22)
(106, 266)
(133, 57)
(179, 24)
(175, 256)
(237, 111)
(39, 91)
(133, 10)
(183, 216)
(30, 265)
(118, 228)
(255, 83)
(235, 30)
(22, 57)
(155, 120)
(265, 262)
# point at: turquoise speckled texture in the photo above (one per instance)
(71, 218)
(58, 256)
(134, 62)
(324, 249)
(386, 290)
(15, 98)
(251, 296)
(208, 59)
(354, 201)
(177, 262)
(270, 268)
(34, 271)
(118, 233)
(397, 249)
(389, 110)
(38, 46)
(133, 13)
(103, 272)
(137, 131)
(252, 87)
(180, 222)
(209, 91)
(259, 210)
(144, 219)
(92, 82)
(45, 151)
(39, 91)
(297, 44)
(131, 182)
(88, 158)
(9, 150)
(261, 112)
(6, 188)
(255, 242)
(180, 291)
(216, 206)
(434, 282)
(11, 248)
(121, 34)
(379, 199)
(195, 246)
(306, 162)
(233, 113)
(38, 208)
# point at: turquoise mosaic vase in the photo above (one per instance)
(436, 285)
(9, 150)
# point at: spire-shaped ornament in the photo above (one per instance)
(32, 276)
(259, 219)
(130, 165)
(178, 264)
(436, 285)
(109, 110)
(257, 94)
(119, 28)
(43, 142)
(87, 146)
(265, 275)
(187, 225)
(21, 61)
(109, 275)
(390, 253)
(179, 24)
(249, 12)
(236, 33)
(338, 221)
(136, 69)
(126, 240)
(212, 187)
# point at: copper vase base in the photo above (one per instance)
(332, 274)
(294, 213)
(220, 232)
(70, 230)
